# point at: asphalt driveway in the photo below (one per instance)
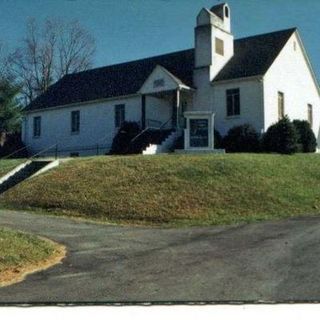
(272, 261)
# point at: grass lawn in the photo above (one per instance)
(21, 253)
(8, 165)
(176, 189)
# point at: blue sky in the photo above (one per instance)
(131, 29)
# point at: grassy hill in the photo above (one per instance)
(176, 189)
(8, 165)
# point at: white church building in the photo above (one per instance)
(218, 84)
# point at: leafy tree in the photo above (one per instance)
(281, 137)
(243, 138)
(306, 139)
(10, 110)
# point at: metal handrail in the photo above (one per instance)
(56, 144)
(149, 128)
(42, 151)
(152, 122)
(11, 154)
(170, 119)
(141, 133)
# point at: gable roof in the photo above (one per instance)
(252, 56)
(113, 81)
(218, 10)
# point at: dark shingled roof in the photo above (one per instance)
(113, 81)
(252, 56)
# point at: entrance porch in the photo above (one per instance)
(167, 103)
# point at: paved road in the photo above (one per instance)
(273, 261)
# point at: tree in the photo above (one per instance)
(10, 110)
(3, 60)
(306, 140)
(121, 141)
(243, 138)
(48, 53)
(281, 137)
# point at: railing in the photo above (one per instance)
(95, 149)
(13, 153)
(45, 150)
(161, 127)
(153, 123)
(165, 123)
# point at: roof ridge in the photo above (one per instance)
(174, 52)
(122, 78)
(130, 61)
(293, 29)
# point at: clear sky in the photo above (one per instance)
(131, 29)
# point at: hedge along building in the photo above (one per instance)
(219, 84)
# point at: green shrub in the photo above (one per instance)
(13, 145)
(217, 139)
(306, 140)
(281, 137)
(243, 138)
(121, 141)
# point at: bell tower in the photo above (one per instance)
(213, 39)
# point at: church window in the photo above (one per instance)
(310, 115)
(280, 105)
(233, 102)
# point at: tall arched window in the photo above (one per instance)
(226, 12)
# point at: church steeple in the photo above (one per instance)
(213, 39)
(223, 12)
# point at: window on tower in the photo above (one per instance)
(219, 46)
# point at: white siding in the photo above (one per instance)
(158, 109)
(96, 126)
(158, 73)
(290, 74)
(251, 105)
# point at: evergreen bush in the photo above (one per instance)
(243, 138)
(306, 140)
(281, 137)
(121, 141)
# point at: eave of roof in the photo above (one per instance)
(114, 80)
(253, 56)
